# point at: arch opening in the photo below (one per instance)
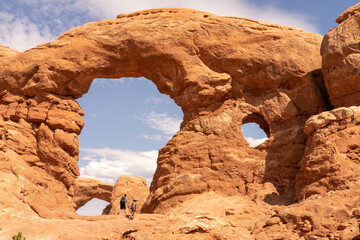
(255, 129)
(94, 207)
(127, 121)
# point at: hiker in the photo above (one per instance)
(123, 203)
(133, 209)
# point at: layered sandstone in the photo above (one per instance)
(333, 215)
(223, 72)
(340, 59)
(6, 52)
(348, 13)
(134, 188)
(332, 154)
(28, 180)
(86, 189)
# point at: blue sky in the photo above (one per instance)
(127, 120)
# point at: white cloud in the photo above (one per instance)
(156, 137)
(163, 122)
(155, 100)
(108, 164)
(236, 8)
(20, 33)
(254, 142)
(107, 81)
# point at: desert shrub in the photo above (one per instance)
(18, 236)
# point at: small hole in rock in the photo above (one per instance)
(255, 129)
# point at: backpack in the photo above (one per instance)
(123, 200)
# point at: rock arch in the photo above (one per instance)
(86, 189)
(217, 69)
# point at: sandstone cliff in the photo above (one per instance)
(209, 183)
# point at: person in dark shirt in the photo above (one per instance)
(123, 203)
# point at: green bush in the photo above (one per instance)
(18, 237)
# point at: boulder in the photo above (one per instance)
(341, 60)
(348, 13)
(134, 188)
(332, 153)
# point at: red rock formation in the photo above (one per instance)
(332, 155)
(340, 64)
(6, 52)
(348, 13)
(333, 215)
(223, 72)
(27, 178)
(134, 188)
(86, 189)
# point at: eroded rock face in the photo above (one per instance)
(348, 13)
(6, 52)
(27, 179)
(134, 188)
(86, 189)
(332, 155)
(333, 215)
(222, 71)
(340, 54)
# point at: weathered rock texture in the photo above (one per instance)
(332, 155)
(26, 177)
(348, 13)
(223, 72)
(341, 59)
(86, 189)
(134, 188)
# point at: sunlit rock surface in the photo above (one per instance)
(134, 188)
(87, 189)
(340, 64)
(209, 184)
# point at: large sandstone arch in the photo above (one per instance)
(217, 69)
